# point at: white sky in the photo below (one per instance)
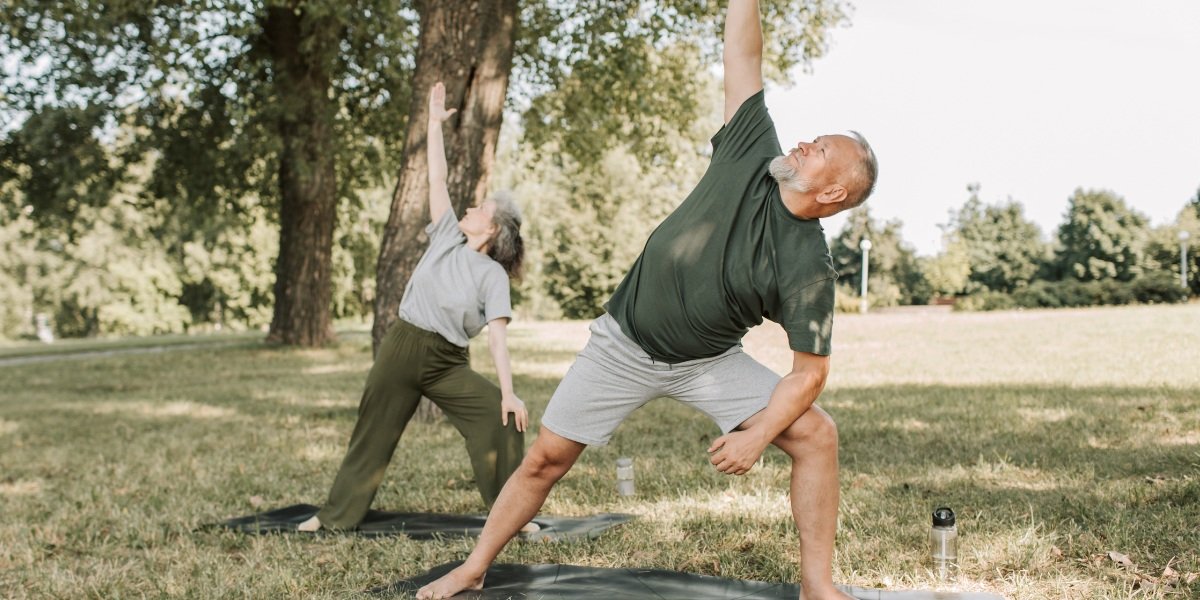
(1031, 99)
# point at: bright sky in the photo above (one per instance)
(1029, 98)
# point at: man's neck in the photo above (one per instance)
(802, 206)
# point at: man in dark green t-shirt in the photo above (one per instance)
(745, 245)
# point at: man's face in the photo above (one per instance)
(822, 160)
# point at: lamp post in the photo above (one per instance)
(1183, 238)
(865, 246)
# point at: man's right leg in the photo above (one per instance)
(522, 497)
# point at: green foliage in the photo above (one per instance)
(1152, 288)
(19, 261)
(114, 278)
(949, 272)
(1003, 248)
(848, 299)
(191, 84)
(586, 222)
(1101, 238)
(602, 74)
(985, 300)
(227, 271)
(1163, 247)
(606, 210)
(893, 269)
(355, 251)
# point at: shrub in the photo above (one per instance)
(1154, 288)
(985, 301)
(1158, 288)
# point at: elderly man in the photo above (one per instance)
(746, 244)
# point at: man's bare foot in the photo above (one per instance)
(831, 594)
(530, 527)
(310, 525)
(450, 584)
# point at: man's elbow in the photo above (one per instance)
(812, 376)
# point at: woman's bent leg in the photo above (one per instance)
(388, 402)
(472, 404)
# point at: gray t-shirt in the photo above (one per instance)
(454, 291)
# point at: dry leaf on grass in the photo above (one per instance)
(1120, 559)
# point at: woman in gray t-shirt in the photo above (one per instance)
(460, 284)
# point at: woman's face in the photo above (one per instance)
(479, 220)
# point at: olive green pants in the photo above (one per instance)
(413, 362)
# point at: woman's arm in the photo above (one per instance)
(509, 402)
(435, 151)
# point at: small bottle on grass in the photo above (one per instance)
(943, 539)
(625, 476)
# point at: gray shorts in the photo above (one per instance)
(613, 376)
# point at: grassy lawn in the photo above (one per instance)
(1065, 441)
(79, 347)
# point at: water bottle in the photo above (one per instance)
(943, 538)
(625, 476)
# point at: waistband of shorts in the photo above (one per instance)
(427, 336)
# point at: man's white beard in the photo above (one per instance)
(787, 177)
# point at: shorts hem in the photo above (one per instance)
(574, 437)
(742, 420)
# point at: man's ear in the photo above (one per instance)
(832, 194)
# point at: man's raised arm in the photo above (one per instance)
(743, 54)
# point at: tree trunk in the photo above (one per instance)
(300, 48)
(468, 45)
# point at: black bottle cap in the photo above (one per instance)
(943, 517)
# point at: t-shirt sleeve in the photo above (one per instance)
(807, 317)
(750, 133)
(497, 303)
(445, 231)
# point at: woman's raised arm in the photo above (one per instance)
(435, 151)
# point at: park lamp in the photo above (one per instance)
(865, 246)
(1183, 238)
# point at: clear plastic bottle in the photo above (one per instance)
(943, 539)
(625, 476)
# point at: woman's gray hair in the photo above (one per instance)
(507, 247)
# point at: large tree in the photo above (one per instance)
(286, 105)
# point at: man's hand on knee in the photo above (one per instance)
(736, 452)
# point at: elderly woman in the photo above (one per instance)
(460, 284)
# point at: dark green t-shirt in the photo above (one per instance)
(729, 256)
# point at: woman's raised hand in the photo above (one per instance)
(437, 104)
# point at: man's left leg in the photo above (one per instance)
(812, 444)
(734, 385)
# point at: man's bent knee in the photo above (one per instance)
(814, 430)
(551, 456)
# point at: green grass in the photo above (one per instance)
(12, 350)
(1057, 436)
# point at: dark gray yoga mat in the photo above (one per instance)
(567, 582)
(424, 526)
